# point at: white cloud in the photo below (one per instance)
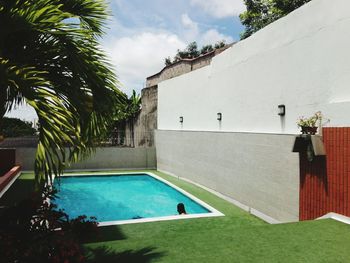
(187, 22)
(193, 33)
(141, 55)
(191, 30)
(220, 8)
(212, 36)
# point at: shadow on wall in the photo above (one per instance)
(108, 255)
(314, 188)
(324, 182)
(316, 169)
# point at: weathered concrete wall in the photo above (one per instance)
(104, 158)
(145, 122)
(183, 66)
(258, 170)
(170, 71)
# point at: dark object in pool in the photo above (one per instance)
(137, 217)
(181, 209)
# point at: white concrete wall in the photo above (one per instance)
(103, 158)
(302, 61)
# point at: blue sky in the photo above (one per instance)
(142, 33)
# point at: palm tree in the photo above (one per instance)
(50, 58)
(125, 116)
(134, 106)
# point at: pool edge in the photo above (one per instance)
(212, 211)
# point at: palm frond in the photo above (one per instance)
(50, 56)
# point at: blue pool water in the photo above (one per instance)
(120, 197)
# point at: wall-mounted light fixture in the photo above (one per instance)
(281, 110)
(181, 119)
(219, 116)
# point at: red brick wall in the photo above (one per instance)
(325, 182)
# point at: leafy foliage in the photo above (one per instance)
(12, 127)
(50, 57)
(220, 44)
(311, 121)
(260, 13)
(125, 113)
(167, 61)
(33, 231)
(128, 107)
(206, 49)
(191, 51)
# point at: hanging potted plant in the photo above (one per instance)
(308, 125)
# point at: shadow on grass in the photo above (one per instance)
(20, 190)
(106, 233)
(23, 188)
(108, 255)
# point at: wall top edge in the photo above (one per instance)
(236, 132)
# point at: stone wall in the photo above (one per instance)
(183, 66)
(145, 122)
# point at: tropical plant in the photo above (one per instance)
(34, 230)
(50, 58)
(126, 114)
(128, 107)
(260, 13)
(311, 121)
(134, 108)
(13, 127)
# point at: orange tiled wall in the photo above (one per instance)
(325, 182)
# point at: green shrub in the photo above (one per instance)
(12, 127)
(34, 231)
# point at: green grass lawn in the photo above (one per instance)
(236, 237)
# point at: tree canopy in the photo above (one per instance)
(192, 51)
(260, 13)
(13, 127)
(50, 58)
(129, 107)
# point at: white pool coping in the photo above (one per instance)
(212, 211)
(337, 217)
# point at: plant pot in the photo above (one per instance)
(308, 130)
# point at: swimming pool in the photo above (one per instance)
(126, 198)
